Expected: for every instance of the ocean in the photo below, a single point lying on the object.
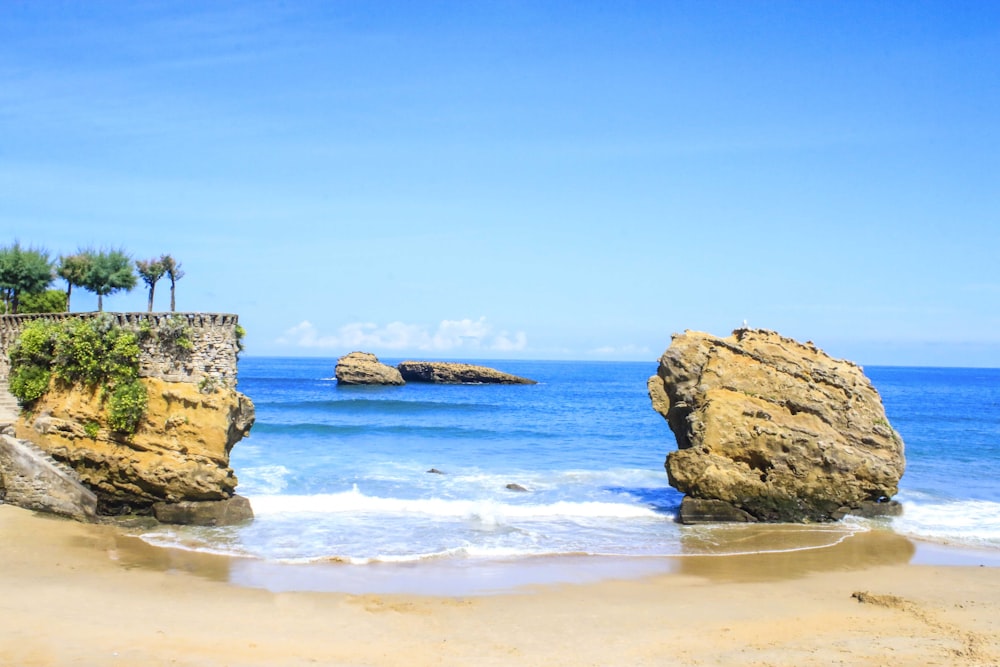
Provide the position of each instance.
(341, 474)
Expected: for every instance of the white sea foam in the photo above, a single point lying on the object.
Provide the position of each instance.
(485, 510)
(963, 522)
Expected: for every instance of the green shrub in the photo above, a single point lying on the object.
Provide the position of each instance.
(122, 358)
(126, 406)
(36, 345)
(30, 360)
(49, 301)
(28, 383)
(91, 352)
(175, 332)
(240, 335)
(92, 428)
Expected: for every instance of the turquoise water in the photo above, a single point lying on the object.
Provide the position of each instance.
(340, 473)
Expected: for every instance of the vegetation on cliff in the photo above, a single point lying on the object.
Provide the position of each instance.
(92, 352)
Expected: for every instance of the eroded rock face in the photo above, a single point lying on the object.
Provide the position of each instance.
(775, 428)
(365, 368)
(444, 372)
(180, 451)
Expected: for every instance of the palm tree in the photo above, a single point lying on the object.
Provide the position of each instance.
(151, 270)
(173, 269)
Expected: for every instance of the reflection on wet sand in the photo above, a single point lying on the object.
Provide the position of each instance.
(724, 553)
(788, 552)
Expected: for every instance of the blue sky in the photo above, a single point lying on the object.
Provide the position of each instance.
(545, 180)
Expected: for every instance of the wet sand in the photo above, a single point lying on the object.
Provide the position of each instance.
(87, 595)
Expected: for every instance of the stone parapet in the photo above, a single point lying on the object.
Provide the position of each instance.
(210, 356)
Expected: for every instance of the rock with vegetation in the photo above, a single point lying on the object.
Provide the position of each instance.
(364, 368)
(770, 429)
(134, 440)
(443, 372)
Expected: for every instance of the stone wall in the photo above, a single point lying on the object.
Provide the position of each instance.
(30, 478)
(211, 357)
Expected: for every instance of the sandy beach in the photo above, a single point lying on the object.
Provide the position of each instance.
(77, 594)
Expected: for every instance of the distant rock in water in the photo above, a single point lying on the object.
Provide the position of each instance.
(443, 372)
(435, 471)
(516, 487)
(769, 429)
(365, 368)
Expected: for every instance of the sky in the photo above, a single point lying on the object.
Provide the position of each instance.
(536, 180)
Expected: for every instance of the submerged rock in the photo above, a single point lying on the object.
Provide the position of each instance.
(774, 428)
(444, 372)
(364, 368)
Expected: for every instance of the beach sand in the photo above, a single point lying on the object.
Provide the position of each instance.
(74, 594)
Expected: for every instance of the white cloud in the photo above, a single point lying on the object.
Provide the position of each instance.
(464, 334)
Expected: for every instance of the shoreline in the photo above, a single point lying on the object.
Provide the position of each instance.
(83, 594)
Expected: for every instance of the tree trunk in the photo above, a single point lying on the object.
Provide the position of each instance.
(100, 303)
(173, 306)
(69, 290)
(152, 288)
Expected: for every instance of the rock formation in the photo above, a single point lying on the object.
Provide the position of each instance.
(180, 451)
(443, 372)
(365, 368)
(138, 408)
(769, 429)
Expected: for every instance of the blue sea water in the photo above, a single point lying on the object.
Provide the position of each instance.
(341, 473)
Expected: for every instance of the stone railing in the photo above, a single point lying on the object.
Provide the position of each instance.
(210, 356)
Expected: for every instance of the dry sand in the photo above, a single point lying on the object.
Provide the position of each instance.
(86, 595)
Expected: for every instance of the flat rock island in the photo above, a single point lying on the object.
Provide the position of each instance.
(446, 372)
(770, 429)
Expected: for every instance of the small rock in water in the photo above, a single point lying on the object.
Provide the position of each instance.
(435, 471)
(515, 487)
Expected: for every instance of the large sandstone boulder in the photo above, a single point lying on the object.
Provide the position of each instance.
(444, 372)
(180, 452)
(775, 429)
(365, 368)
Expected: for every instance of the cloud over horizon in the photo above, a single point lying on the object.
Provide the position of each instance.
(466, 334)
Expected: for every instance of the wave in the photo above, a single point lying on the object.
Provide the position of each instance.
(407, 429)
(367, 406)
(964, 522)
(264, 479)
(486, 511)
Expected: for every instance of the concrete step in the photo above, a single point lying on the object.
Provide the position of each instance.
(9, 407)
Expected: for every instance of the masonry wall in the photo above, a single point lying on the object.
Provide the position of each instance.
(212, 357)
